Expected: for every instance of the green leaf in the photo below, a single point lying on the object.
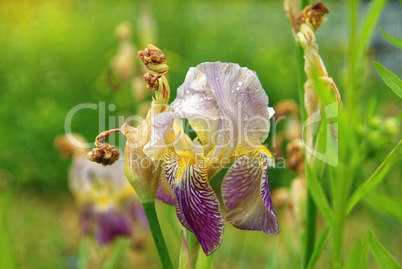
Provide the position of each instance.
(203, 261)
(397, 41)
(388, 205)
(376, 178)
(120, 245)
(319, 248)
(357, 258)
(373, 14)
(321, 201)
(184, 257)
(392, 81)
(383, 258)
(83, 252)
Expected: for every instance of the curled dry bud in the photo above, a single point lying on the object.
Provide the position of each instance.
(312, 15)
(104, 153)
(152, 80)
(154, 59)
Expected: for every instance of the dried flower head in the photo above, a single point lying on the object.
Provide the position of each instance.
(104, 153)
(154, 59)
(143, 174)
(313, 15)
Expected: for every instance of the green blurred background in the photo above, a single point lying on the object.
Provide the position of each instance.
(55, 55)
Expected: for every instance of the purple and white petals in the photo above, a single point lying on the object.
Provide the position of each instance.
(197, 207)
(240, 98)
(246, 195)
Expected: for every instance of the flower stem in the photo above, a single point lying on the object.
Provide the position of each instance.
(150, 212)
(117, 252)
(83, 253)
(311, 217)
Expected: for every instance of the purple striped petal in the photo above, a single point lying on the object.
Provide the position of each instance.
(246, 195)
(165, 192)
(198, 208)
(110, 225)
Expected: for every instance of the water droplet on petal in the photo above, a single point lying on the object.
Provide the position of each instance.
(237, 88)
(240, 83)
(187, 91)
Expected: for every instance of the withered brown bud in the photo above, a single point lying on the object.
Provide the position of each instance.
(152, 80)
(105, 155)
(286, 107)
(295, 160)
(313, 15)
(154, 59)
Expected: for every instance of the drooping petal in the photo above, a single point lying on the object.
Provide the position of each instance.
(246, 195)
(110, 225)
(198, 209)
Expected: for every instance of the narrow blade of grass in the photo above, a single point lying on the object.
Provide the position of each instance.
(388, 205)
(376, 178)
(318, 195)
(381, 255)
(373, 14)
(397, 41)
(83, 253)
(357, 258)
(184, 257)
(322, 243)
(392, 81)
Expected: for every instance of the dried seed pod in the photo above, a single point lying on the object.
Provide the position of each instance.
(154, 59)
(106, 155)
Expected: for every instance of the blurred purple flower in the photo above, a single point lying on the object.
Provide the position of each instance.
(108, 204)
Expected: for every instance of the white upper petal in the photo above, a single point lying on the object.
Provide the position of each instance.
(226, 106)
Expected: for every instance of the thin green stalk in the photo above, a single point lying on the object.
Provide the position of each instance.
(340, 202)
(311, 217)
(203, 261)
(352, 57)
(83, 252)
(191, 240)
(150, 212)
(321, 244)
(118, 248)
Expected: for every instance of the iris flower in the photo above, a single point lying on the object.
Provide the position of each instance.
(227, 107)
